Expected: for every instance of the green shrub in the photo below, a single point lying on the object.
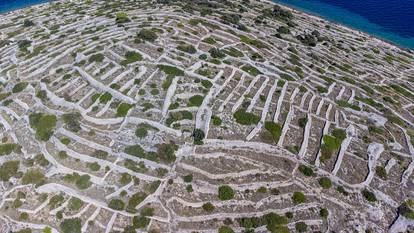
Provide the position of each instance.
(99, 57)
(274, 129)
(171, 70)
(94, 166)
(43, 124)
(198, 136)
(56, 201)
(122, 17)
(147, 35)
(305, 170)
(324, 213)
(298, 197)
(116, 204)
(75, 204)
(208, 207)
(325, 182)
(251, 70)
(9, 169)
(196, 100)
(131, 57)
(188, 178)
(71, 225)
(135, 200)
(83, 182)
(33, 176)
(225, 229)
(381, 172)
(187, 48)
(8, 148)
(245, 118)
(123, 109)
(209, 40)
(19, 87)
(369, 196)
(406, 209)
(216, 120)
(262, 190)
(302, 122)
(301, 227)
(166, 152)
(225, 192)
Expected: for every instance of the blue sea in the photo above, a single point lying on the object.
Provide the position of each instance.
(391, 20)
(9, 5)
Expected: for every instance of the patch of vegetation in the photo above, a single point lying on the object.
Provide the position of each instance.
(302, 122)
(274, 129)
(9, 169)
(381, 172)
(196, 100)
(34, 176)
(225, 193)
(81, 181)
(123, 109)
(305, 170)
(75, 204)
(345, 104)
(116, 204)
(71, 225)
(147, 35)
(171, 70)
(131, 57)
(178, 116)
(209, 40)
(251, 70)
(122, 17)
(8, 148)
(331, 144)
(99, 57)
(208, 207)
(245, 118)
(72, 121)
(368, 195)
(19, 87)
(256, 43)
(225, 229)
(198, 136)
(216, 120)
(406, 209)
(43, 124)
(298, 197)
(325, 182)
(187, 48)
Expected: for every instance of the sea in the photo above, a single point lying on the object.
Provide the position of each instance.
(390, 20)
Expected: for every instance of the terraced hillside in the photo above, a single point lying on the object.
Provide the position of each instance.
(201, 116)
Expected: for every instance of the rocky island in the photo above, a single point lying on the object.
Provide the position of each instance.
(201, 116)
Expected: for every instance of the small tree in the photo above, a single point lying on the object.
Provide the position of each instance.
(198, 136)
(298, 197)
(225, 193)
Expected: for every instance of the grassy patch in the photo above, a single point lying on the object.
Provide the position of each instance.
(131, 57)
(43, 124)
(274, 129)
(245, 118)
(171, 70)
(196, 100)
(123, 109)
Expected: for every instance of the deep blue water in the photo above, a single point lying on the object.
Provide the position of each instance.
(392, 20)
(9, 5)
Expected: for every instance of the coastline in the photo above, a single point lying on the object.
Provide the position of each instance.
(315, 16)
(312, 15)
(20, 8)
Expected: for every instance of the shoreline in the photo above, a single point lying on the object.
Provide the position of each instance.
(312, 15)
(315, 16)
(16, 10)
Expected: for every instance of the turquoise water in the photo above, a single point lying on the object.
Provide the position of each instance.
(391, 20)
